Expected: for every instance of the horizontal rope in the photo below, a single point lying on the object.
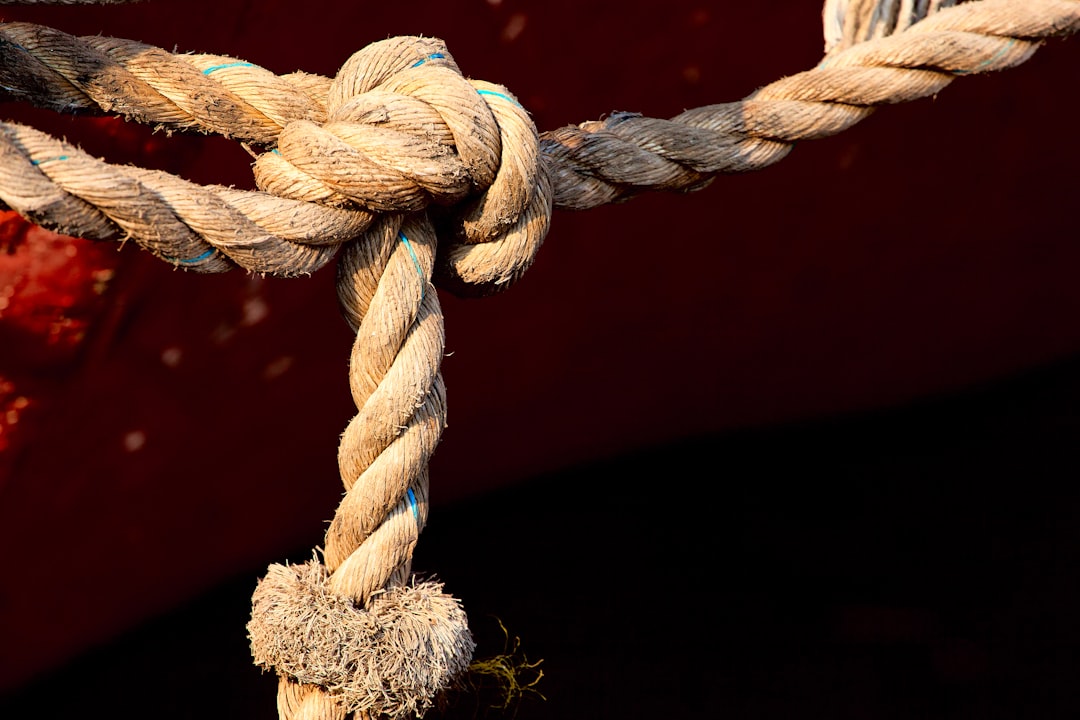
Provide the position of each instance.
(590, 164)
(581, 166)
(205, 228)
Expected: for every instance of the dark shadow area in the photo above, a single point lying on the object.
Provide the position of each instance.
(909, 564)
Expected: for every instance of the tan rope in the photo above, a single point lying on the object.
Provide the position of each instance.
(394, 373)
(590, 164)
(609, 160)
(147, 84)
(207, 228)
(397, 149)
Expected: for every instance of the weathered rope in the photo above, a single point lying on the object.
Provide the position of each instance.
(206, 228)
(396, 381)
(604, 161)
(850, 22)
(317, 637)
(399, 128)
(397, 149)
(589, 165)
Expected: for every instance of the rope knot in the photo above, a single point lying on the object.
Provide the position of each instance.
(403, 129)
(406, 131)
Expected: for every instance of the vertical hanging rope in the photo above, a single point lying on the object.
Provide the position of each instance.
(337, 664)
(422, 106)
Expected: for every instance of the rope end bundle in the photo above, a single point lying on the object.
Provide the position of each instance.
(392, 658)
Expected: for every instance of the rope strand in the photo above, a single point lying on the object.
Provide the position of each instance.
(590, 164)
(395, 151)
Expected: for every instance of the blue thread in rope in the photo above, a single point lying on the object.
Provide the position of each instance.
(416, 261)
(990, 60)
(505, 97)
(412, 504)
(215, 68)
(190, 261)
(55, 158)
(432, 56)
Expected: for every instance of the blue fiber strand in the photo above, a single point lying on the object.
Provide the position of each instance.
(215, 68)
(205, 255)
(990, 60)
(432, 56)
(412, 504)
(416, 261)
(56, 158)
(507, 98)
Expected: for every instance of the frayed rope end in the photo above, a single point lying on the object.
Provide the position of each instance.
(392, 659)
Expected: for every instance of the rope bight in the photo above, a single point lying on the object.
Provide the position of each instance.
(416, 177)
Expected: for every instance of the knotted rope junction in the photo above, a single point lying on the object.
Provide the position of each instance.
(416, 177)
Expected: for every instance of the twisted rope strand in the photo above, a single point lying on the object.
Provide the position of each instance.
(174, 91)
(395, 376)
(204, 228)
(590, 164)
(397, 144)
(609, 160)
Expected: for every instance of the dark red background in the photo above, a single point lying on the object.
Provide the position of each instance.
(178, 430)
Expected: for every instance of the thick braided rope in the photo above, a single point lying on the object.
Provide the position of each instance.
(384, 451)
(601, 162)
(385, 290)
(590, 164)
(175, 91)
(411, 132)
(396, 382)
(205, 228)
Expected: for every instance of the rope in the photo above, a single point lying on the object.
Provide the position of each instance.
(375, 164)
(591, 164)
(850, 22)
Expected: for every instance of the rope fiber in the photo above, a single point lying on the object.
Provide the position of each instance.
(414, 177)
(348, 149)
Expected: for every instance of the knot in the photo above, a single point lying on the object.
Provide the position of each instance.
(391, 658)
(405, 131)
